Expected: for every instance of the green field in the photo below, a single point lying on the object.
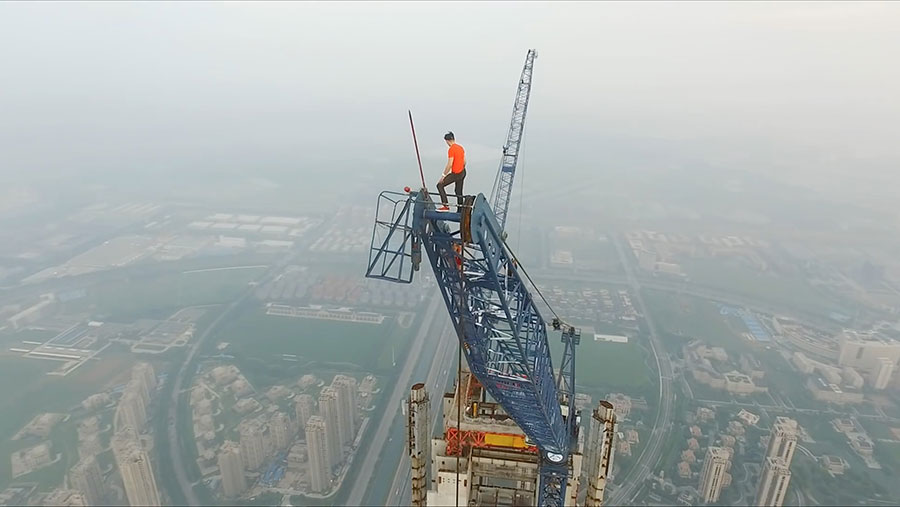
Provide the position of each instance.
(255, 335)
(607, 365)
(597, 254)
(781, 377)
(704, 392)
(693, 317)
(29, 373)
(868, 409)
(778, 290)
(827, 440)
(877, 430)
(892, 410)
(162, 295)
(889, 454)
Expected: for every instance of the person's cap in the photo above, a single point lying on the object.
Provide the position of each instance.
(449, 136)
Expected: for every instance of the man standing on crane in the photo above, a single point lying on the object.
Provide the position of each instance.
(454, 172)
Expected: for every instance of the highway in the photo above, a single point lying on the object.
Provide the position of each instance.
(401, 388)
(440, 370)
(630, 484)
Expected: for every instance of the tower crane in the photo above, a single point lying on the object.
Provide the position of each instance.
(500, 330)
(504, 182)
(502, 333)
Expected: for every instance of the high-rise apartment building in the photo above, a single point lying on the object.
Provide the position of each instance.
(775, 475)
(253, 446)
(881, 376)
(319, 456)
(232, 469)
(347, 388)
(783, 440)
(145, 378)
(714, 475)
(600, 452)
(85, 476)
(131, 410)
(870, 352)
(861, 349)
(280, 428)
(329, 407)
(773, 483)
(135, 469)
(305, 406)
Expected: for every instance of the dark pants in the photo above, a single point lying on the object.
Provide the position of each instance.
(458, 189)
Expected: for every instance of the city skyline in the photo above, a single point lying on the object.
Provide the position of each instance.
(227, 276)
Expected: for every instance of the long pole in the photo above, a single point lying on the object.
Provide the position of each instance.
(418, 158)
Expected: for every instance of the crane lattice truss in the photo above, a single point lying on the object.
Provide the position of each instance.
(504, 182)
(500, 329)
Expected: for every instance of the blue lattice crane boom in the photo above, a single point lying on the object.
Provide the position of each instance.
(502, 333)
(503, 183)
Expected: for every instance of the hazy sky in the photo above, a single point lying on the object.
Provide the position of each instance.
(244, 86)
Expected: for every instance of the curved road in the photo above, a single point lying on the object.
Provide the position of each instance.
(175, 450)
(649, 457)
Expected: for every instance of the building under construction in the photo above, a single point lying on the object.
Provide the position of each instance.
(483, 458)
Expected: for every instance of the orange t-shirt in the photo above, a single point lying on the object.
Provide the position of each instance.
(458, 154)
